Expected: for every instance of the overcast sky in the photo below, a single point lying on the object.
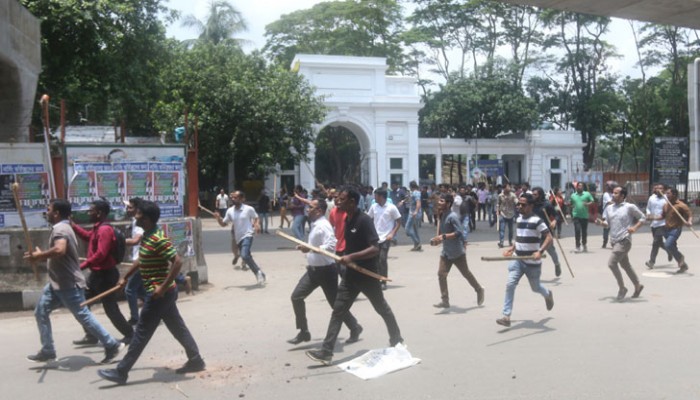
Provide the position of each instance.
(259, 13)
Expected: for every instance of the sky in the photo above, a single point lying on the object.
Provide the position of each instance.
(259, 13)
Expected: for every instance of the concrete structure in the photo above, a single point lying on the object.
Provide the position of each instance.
(20, 64)
(685, 13)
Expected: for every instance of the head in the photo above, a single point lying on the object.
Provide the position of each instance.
(147, 214)
(659, 189)
(58, 210)
(237, 198)
(445, 202)
(579, 187)
(538, 194)
(672, 194)
(413, 185)
(525, 204)
(619, 194)
(506, 188)
(380, 196)
(99, 210)
(348, 199)
(131, 206)
(222, 192)
(317, 209)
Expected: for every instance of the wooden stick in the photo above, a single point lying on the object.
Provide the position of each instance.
(504, 258)
(121, 263)
(563, 253)
(333, 256)
(27, 238)
(100, 296)
(681, 217)
(208, 211)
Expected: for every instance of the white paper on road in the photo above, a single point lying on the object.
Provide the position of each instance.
(378, 362)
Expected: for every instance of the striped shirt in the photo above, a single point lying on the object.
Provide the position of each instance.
(155, 255)
(528, 232)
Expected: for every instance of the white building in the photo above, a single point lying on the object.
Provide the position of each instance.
(382, 112)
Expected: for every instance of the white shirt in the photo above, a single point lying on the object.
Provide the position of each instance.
(457, 203)
(135, 231)
(323, 237)
(655, 207)
(242, 221)
(384, 219)
(222, 201)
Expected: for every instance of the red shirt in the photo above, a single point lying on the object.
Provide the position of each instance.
(337, 220)
(101, 241)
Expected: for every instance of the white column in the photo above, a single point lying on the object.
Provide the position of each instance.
(438, 167)
(413, 171)
(306, 169)
(380, 174)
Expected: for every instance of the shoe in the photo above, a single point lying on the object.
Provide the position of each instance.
(127, 339)
(322, 356)
(480, 296)
(302, 336)
(244, 267)
(510, 243)
(585, 249)
(622, 293)
(500, 245)
(549, 301)
(354, 335)
(41, 357)
(603, 246)
(235, 260)
(637, 291)
(505, 321)
(261, 278)
(670, 257)
(112, 375)
(683, 268)
(578, 250)
(557, 269)
(86, 340)
(111, 354)
(194, 364)
(649, 264)
(442, 304)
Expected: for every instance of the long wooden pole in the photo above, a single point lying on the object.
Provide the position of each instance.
(100, 296)
(27, 238)
(560, 247)
(208, 211)
(681, 217)
(333, 256)
(504, 258)
(558, 207)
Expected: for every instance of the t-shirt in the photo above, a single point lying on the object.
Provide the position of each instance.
(222, 201)
(359, 235)
(135, 231)
(337, 219)
(620, 217)
(155, 255)
(655, 207)
(241, 221)
(452, 248)
(578, 209)
(64, 271)
(384, 219)
(264, 204)
(413, 202)
(528, 232)
(506, 204)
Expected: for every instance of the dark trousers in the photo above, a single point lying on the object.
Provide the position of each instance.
(99, 282)
(444, 269)
(581, 231)
(383, 268)
(153, 311)
(348, 290)
(658, 243)
(325, 277)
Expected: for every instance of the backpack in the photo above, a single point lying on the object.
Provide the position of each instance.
(119, 250)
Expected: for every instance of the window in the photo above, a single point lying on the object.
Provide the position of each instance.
(396, 163)
(554, 163)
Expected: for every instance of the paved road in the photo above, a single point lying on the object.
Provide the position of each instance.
(588, 347)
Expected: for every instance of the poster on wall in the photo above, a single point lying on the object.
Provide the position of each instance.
(33, 192)
(181, 235)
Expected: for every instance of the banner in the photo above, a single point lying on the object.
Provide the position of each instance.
(33, 193)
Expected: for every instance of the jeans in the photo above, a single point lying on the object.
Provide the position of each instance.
(620, 255)
(671, 243)
(606, 235)
(465, 227)
(383, 267)
(325, 277)
(581, 231)
(444, 269)
(101, 281)
(153, 311)
(264, 217)
(298, 226)
(658, 243)
(244, 247)
(412, 229)
(52, 299)
(552, 251)
(348, 290)
(134, 290)
(516, 270)
(503, 222)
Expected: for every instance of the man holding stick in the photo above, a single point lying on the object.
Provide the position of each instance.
(66, 286)
(676, 214)
(530, 229)
(361, 242)
(159, 264)
(451, 236)
(545, 211)
(622, 219)
(321, 271)
(655, 207)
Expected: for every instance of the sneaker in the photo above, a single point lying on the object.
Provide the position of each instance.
(354, 335)
(557, 269)
(549, 301)
(244, 267)
(41, 357)
(111, 354)
(649, 264)
(302, 336)
(322, 356)
(683, 268)
(505, 321)
(637, 291)
(500, 245)
(112, 375)
(622, 293)
(194, 364)
(261, 278)
(235, 260)
(85, 341)
(670, 257)
(480, 296)
(442, 304)
(577, 250)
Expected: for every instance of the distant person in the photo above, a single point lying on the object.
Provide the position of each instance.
(580, 200)
(674, 226)
(655, 209)
(264, 210)
(387, 221)
(222, 201)
(134, 287)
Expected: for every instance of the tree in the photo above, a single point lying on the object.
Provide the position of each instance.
(337, 156)
(222, 22)
(366, 28)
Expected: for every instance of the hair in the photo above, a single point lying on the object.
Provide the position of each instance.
(381, 193)
(102, 206)
(674, 192)
(413, 185)
(540, 192)
(623, 191)
(352, 193)
(449, 199)
(527, 196)
(63, 207)
(240, 194)
(135, 201)
(149, 210)
(322, 204)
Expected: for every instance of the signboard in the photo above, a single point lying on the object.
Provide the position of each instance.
(486, 168)
(33, 193)
(670, 161)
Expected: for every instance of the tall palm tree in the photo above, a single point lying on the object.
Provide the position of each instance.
(222, 22)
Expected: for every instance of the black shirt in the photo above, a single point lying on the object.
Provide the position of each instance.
(359, 235)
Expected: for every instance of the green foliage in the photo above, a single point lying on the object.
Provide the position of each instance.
(364, 28)
(337, 156)
(223, 21)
